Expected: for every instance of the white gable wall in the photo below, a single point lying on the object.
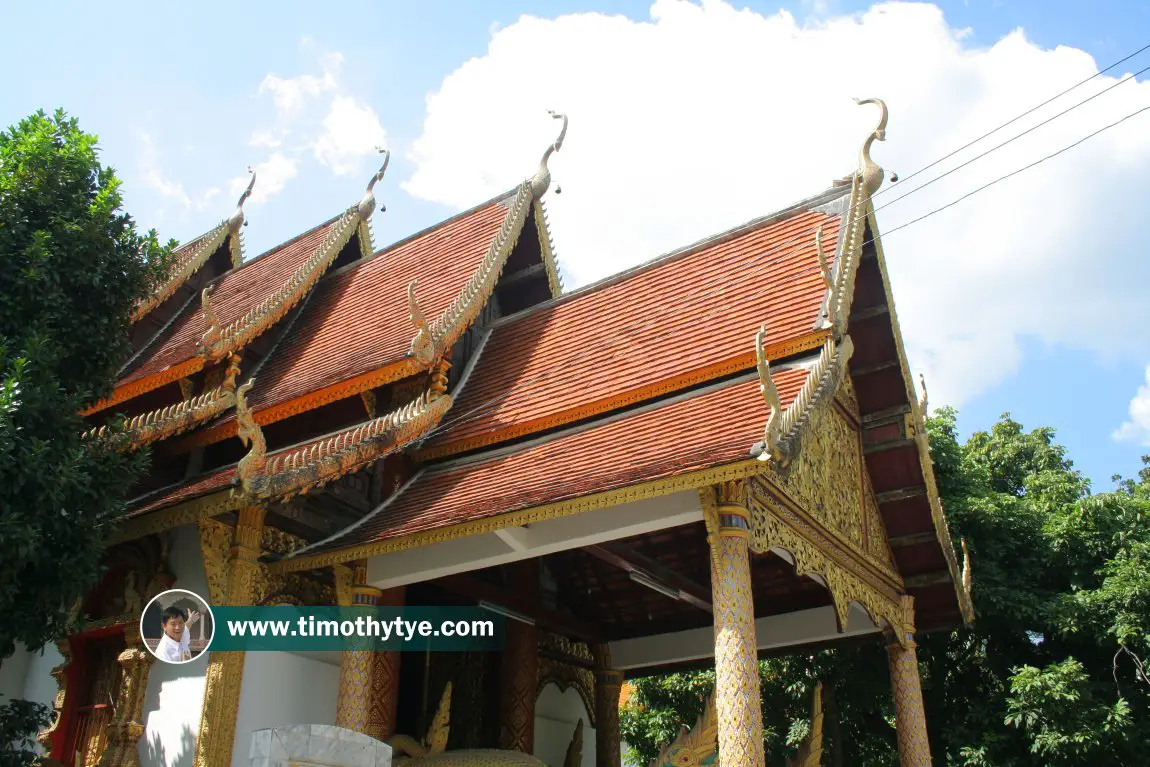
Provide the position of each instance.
(556, 714)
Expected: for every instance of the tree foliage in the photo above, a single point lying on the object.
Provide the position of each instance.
(1052, 670)
(74, 265)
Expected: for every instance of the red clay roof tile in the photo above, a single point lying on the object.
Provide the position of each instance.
(710, 429)
(357, 321)
(668, 326)
(170, 496)
(234, 294)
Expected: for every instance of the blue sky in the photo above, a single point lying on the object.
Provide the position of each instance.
(178, 97)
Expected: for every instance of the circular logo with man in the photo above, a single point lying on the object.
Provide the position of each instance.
(177, 626)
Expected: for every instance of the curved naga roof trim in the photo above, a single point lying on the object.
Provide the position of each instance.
(298, 470)
(199, 253)
(782, 435)
(169, 421)
(783, 431)
(433, 339)
(218, 341)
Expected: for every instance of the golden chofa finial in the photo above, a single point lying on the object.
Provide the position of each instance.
(542, 178)
(367, 204)
(870, 174)
(237, 219)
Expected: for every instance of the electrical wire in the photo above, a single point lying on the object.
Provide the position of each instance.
(480, 409)
(1019, 117)
(1008, 141)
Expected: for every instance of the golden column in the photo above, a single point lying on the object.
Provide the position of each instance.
(608, 685)
(520, 669)
(906, 686)
(353, 709)
(226, 669)
(125, 731)
(737, 699)
(385, 675)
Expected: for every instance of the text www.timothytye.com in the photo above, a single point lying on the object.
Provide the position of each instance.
(362, 627)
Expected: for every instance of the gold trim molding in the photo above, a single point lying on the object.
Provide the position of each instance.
(776, 527)
(650, 489)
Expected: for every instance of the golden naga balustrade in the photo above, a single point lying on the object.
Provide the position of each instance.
(298, 470)
(169, 421)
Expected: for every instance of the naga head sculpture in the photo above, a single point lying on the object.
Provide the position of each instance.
(542, 178)
(367, 204)
(237, 219)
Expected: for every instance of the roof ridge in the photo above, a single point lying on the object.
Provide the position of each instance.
(421, 232)
(281, 246)
(806, 205)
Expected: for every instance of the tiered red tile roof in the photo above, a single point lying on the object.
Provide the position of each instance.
(233, 295)
(685, 319)
(608, 346)
(357, 322)
(681, 435)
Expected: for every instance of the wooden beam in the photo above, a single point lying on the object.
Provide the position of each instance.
(890, 444)
(875, 368)
(900, 494)
(927, 579)
(868, 312)
(631, 561)
(914, 539)
(522, 274)
(470, 587)
(885, 415)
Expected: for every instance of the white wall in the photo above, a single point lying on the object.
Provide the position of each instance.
(13, 674)
(28, 675)
(175, 695)
(282, 688)
(556, 714)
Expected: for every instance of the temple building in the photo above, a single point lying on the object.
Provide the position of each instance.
(714, 455)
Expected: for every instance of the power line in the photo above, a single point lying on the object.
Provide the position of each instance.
(1020, 170)
(1008, 141)
(480, 409)
(1019, 117)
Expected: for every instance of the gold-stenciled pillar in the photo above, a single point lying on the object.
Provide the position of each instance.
(125, 731)
(520, 669)
(226, 669)
(737, 698)
(354, 707)
(608, 685)
(385, 676)
(906, 686)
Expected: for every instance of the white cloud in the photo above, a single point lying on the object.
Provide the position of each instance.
(351, 131)
(706, 116)
(267, 138)
(291, 93)
(155, 178)
(272, 176)
(1137, 429)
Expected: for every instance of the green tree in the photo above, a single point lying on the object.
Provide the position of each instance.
(1052, 672)
(73, 267)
